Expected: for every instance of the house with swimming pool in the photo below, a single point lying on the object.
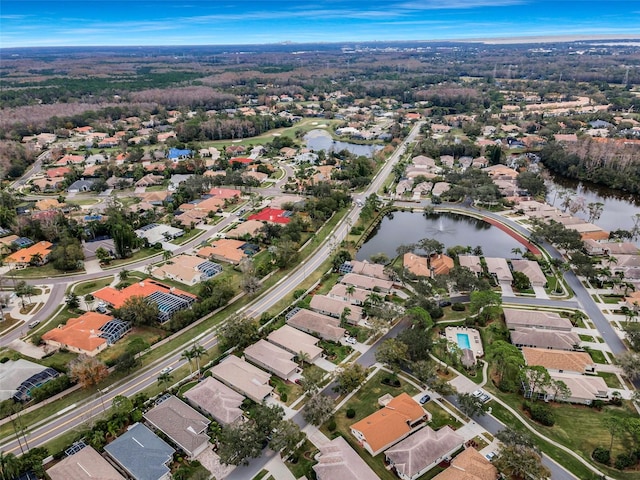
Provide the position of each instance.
(469, 342)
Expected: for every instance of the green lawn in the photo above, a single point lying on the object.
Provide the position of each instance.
(44, 271)
(149, 334)
(302, 460)
(580, 428)
(336, 352)
(612, 299)
(191, 234)
(292, 390)
(610, 379)
(440, 417)
(139, 255)
(586, 338)
(597, 355)
(90, 286)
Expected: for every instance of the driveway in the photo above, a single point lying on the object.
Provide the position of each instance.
(540, 292)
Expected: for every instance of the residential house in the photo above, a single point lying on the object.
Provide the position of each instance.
(149, 180)
(272, 215)
(469, 465)
(216, 399)
(187, 269)
(501, 172)
(250, 228)
(157, 232)
(559, 360)
(422, 451)
(584, 389)
(225, 250)
(499, 268)
(225, 193)
(336, 308)
(385, 427)
(88, 334)
(58, 172)
(439, 188)
(142, 454)
(38, 253)
(48, 184)
(532, 270)
(440, 264)
(365, 268)
(272, 358)
(80, 186)
(338, 461)
(417, 265)
(244, 378)
(19, 377)
(367, 283)
(353, 295)
(86, 464)
(169, 299)
(327, 328)
(296, 342)
(176, 154)
(48, 204)
(184, 426)
(70, 160)
(471, 262)
(545, 338)
(516, 319)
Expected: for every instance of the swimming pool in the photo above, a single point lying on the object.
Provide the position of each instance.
(463, 341)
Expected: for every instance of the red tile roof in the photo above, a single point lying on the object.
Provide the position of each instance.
(141, 289)
(273, 215)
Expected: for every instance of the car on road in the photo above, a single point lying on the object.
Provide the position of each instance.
(166, 370)
(444, 303)
(425, 398)
(34, 324)
(351, 340)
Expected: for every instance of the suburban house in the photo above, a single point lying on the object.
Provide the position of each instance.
(469, 465)
(471, 262)
(80, 186)
(417, 265)
(216, 399)
(149, 180)
(182, 424)
(155, 232)
(296, 342)
(367, 283)
(353, 295)
(86, 464)
(364, 268)
(90, 333)
(338, 461)
(244, 378)
(440, 264)
(168, 299)
(544, 338)
(327, 328)
(224, 249)
(499, 268)
(532, 270)
(584, 389)
(396, 420)
(516, 319)
(422, 451)
(19, 377)
(187, 269)
(176, 154)
(142, 454)
(559, 360)
(272, 215)
(38, 252)
(225, 193)
(335, 308)
(272, 358)
(250, 228)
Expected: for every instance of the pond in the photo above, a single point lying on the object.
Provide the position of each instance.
(322, 140)
(401, 228)
(617, 212)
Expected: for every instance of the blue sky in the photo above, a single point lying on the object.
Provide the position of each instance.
(25, 23)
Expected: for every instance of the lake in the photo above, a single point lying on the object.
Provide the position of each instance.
(322, 140)
(401, 228)
(619, 207)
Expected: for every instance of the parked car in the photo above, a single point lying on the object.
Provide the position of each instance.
(477, 393)
(484, 398)
(490, 456)
(444, 303)
(101, 309)
(425, 398)
(351, 340)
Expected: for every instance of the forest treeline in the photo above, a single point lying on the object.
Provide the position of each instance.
(607, 163)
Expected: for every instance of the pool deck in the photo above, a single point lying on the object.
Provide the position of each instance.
(474, 338)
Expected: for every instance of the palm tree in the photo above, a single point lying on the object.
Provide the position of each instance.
(36, 259)
(303, 357)
(516, 251)
(196, 352)
(164, 378)
(166, 255)
(9, 466)
(351, 289)
(344, 316)
(187, 355)
(123, 275)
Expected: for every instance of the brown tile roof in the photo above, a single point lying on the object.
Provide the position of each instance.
(416, 264)
(338, 461)
(81, 333)
(87, 464)
(469, 465)
(390, 423)
(441, 264)
(224, 249)
(557, 359)
(220, 401)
